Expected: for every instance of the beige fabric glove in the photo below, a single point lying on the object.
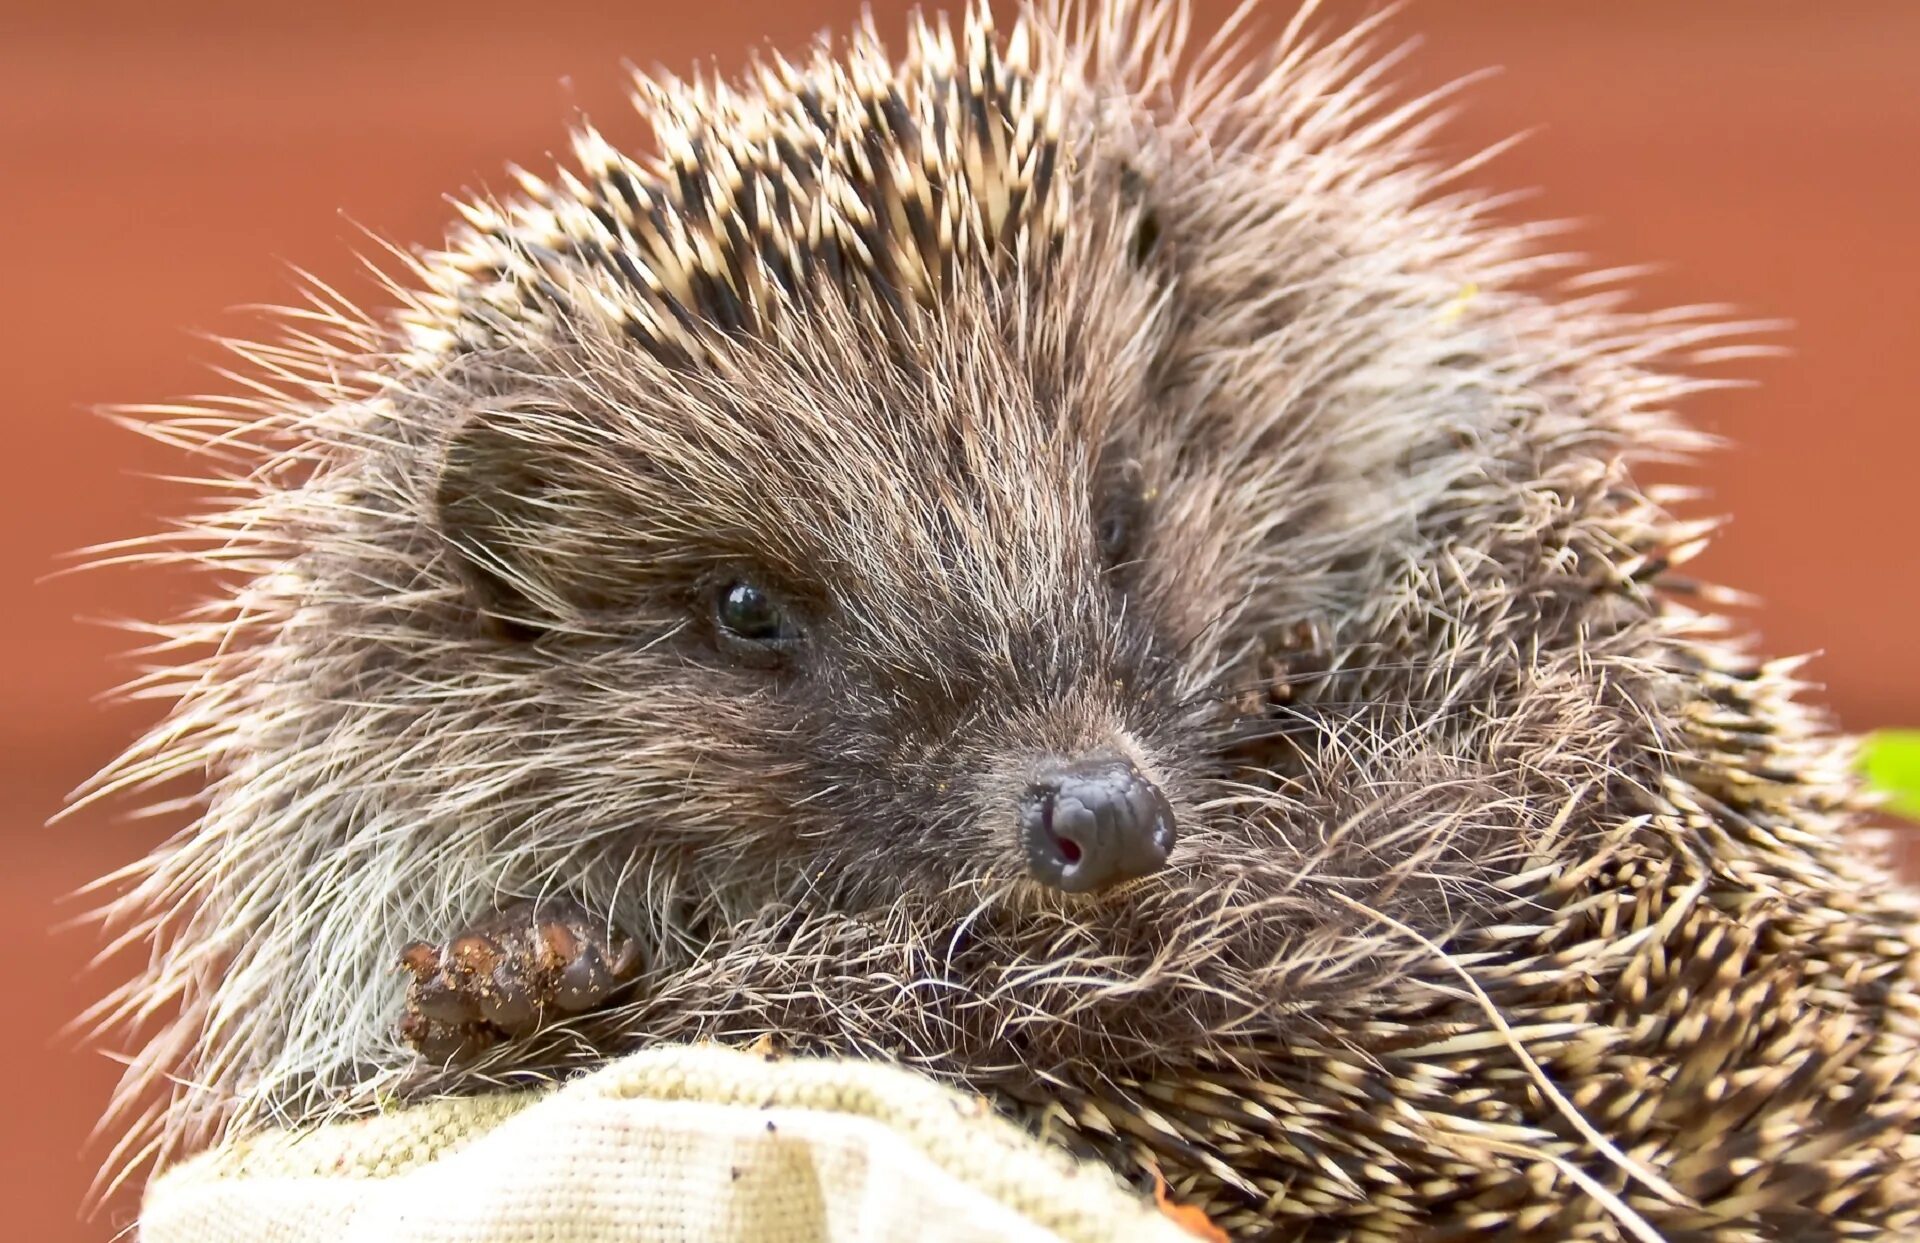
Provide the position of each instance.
(679, 1145)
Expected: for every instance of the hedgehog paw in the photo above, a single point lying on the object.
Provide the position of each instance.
(509, 974)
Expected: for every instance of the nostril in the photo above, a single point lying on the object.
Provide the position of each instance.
(1069, 849)
(1094, 822)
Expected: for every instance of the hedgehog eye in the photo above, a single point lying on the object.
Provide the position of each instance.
(1114, 533)
(751, 623)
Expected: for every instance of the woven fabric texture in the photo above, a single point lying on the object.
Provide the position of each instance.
(684, 1144)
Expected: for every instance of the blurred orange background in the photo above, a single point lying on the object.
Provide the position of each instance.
(163, 164)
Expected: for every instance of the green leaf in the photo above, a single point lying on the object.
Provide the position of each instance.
(1892, 762)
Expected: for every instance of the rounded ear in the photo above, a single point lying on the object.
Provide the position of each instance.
(1136, 195)
(509, 508)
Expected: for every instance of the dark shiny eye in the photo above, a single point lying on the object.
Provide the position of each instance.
(751, 623)
(1114, 533)
(748, 612)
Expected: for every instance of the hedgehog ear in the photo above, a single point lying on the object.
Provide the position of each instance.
(1146, 235)
(1136, 194)
(494, 505)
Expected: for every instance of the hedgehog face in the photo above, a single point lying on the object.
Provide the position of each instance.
(898, 612)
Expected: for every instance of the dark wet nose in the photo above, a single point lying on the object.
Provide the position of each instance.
(1094, 822)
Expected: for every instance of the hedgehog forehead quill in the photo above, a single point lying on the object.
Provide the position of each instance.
(1089, 567)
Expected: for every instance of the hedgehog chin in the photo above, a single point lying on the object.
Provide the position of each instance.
(1027, 895)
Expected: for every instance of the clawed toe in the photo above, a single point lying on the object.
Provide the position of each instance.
(505, 978)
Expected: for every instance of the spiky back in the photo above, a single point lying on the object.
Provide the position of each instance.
(885, 183)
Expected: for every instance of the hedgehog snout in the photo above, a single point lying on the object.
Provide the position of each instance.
(1092, 822)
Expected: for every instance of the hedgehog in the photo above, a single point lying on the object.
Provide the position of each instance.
(1090, 567)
